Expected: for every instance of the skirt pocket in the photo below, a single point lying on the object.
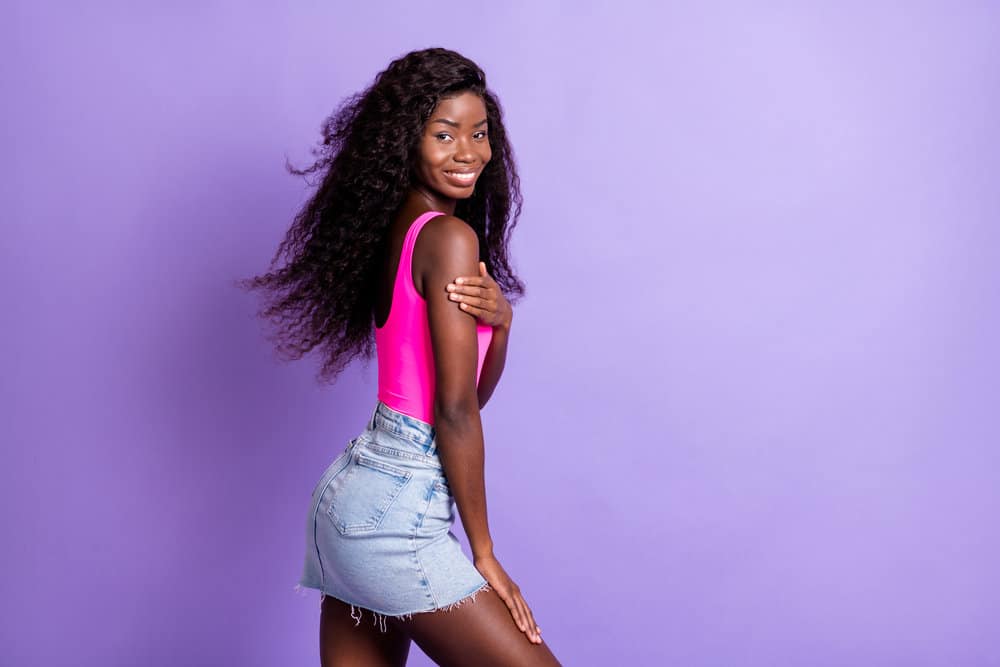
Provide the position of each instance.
(364, 492)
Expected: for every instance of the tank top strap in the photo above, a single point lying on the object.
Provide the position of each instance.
(409, 242)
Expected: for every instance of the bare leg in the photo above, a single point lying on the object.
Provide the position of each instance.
(344, 642)
(479, 632)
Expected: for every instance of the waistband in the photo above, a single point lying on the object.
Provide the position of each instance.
(404, 426)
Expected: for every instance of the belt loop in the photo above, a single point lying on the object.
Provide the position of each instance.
(432, 446)
(371, 420)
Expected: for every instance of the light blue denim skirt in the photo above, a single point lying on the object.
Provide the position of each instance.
(378, 532)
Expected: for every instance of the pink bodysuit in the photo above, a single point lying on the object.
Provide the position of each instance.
(403, 343)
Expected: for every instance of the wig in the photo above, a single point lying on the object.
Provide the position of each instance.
(324, 294)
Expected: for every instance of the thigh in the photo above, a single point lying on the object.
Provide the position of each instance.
(345, 642)
(481, 632)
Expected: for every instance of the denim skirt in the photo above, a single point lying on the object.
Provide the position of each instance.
(378, 531)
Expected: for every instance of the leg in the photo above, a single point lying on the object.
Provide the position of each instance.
(343, 642)
(479, 632)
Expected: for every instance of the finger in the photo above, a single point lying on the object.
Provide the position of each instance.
(531, 622)
(483, 292)
(477, 307)
(519, 616)
(485, 274)
(515, 611)
(475, 312)
(471, 290)
(525, 625)
(484, 278)
(468, 282)
(476, 301)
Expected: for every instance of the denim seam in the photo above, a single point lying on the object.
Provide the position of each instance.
(416, 553)
(400, 417)
(319, 556)
(315, 517)
(388, 468)
(397, 432)
(396, 429)
(389, 425)
(391, 451)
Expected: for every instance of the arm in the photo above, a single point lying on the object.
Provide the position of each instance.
(450, 248)
(481, 297)
(496, 356)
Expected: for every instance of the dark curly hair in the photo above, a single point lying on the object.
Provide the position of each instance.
(324, 295)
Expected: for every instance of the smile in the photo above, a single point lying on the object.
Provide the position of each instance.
(463, 177)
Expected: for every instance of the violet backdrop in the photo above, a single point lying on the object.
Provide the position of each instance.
(750, 409)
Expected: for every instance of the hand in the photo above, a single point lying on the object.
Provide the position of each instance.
(509, 592)
(481, 296)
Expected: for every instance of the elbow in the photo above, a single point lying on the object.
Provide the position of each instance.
(456, 413)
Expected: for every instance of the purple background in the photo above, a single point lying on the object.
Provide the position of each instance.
(750, 409)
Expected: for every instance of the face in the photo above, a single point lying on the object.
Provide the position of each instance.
(455, 146)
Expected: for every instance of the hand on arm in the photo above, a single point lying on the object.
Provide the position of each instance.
(479, 295)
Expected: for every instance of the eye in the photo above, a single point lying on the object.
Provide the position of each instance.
(442, 136)
(480, 135)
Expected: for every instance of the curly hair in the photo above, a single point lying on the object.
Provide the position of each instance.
(324, 295)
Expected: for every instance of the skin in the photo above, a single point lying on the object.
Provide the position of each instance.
(498, 627)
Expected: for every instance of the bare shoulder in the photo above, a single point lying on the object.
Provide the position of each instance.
(448, 236)
(446, 247)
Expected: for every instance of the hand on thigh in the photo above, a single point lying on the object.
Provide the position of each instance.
(479, 632)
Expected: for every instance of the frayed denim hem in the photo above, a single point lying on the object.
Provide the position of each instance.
(379, 618)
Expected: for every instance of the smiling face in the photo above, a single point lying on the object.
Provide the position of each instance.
(454, 147)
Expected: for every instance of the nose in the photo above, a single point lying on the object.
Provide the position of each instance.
(464, 151)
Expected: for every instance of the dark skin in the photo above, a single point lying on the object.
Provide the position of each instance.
(497, 628)
(481, 297)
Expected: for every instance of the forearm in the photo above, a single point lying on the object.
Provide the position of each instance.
(493, 364)
(462, 454)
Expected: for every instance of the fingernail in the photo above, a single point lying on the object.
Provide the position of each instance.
(450, 287)
(458, 280)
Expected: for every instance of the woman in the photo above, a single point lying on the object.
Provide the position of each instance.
(408, 234)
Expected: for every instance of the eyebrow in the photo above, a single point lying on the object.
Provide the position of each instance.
(454, 124)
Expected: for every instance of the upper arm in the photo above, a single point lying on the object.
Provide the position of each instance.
(448, 247)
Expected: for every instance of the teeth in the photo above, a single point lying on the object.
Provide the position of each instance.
(463, 176)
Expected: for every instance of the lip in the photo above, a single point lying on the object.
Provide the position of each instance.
(461, 182)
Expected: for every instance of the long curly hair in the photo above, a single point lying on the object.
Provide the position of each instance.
(324, 294)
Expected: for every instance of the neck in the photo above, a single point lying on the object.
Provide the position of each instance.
(421, 196)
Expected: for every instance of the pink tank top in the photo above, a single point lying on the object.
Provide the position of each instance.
(403, 343)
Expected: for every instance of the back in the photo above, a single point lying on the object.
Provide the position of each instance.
(403, 343)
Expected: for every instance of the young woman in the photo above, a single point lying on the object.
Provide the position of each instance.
(406, 242)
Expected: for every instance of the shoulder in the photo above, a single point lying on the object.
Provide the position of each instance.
(448, 235)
